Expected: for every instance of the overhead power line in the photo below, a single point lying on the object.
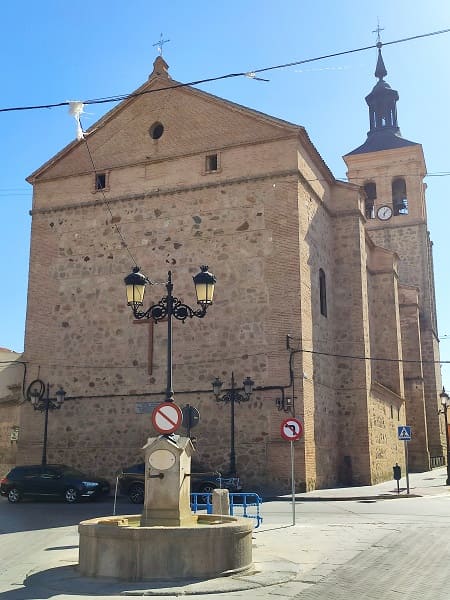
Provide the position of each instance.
(300, 350)
(248, 74)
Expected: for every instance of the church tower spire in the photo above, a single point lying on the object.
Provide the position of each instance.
(382, 101)
(380, 70)
(384, 132)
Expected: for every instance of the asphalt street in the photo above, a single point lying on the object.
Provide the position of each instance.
(349, 543)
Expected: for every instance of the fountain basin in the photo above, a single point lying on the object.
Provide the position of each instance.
(118, 547)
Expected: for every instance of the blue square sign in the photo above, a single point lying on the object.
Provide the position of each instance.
(404, 433)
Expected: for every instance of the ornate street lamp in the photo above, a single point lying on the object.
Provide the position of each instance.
(445, 401)
(233, 395)
(35, 394)
(169, 306)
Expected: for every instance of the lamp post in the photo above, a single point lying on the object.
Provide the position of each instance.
(445, 401)
(233, 395)
(35, 394)
(169, 306)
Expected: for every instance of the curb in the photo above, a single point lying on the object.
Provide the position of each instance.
(341, 498)
(65, 579)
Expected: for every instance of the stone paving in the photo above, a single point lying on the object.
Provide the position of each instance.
(397, 566)
(366, 559)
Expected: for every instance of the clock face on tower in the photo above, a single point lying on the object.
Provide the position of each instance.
(384, 213)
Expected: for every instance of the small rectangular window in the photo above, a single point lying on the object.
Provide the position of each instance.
(100, 181)
(212, 163)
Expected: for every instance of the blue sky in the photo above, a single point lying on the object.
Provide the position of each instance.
(52, 51)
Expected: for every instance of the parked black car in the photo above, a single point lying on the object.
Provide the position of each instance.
(131, 483)
(52, 481)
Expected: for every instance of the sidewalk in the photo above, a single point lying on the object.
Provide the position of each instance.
(429, 483)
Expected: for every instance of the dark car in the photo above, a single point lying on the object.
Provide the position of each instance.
(52, 481)
(131, 483)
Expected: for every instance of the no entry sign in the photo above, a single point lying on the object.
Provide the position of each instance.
(167, 417)
(291, 429)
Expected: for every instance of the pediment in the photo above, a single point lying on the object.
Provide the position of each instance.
(177, 444)
(193, 121)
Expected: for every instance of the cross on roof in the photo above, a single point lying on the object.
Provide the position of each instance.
(160, 43)
(378, 30)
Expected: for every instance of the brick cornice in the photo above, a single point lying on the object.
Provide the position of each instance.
(167, 158)
(412, 222)
(166, 192)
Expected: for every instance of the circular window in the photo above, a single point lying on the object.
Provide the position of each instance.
(156, 131)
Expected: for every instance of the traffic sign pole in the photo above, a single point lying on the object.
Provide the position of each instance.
(405, 434)
(407, 470)
(293, 482)
(292, 430)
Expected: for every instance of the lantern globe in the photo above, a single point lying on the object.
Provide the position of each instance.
(248, 385)
(217, 386)
(60, 395)
(135, 284)
(204, 286)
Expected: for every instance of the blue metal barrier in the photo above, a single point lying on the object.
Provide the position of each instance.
(197, 502)
(240, 503)
(245, 501)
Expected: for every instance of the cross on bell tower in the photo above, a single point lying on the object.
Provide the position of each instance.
(378, 30)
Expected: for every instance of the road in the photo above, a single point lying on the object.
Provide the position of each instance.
(367, 549)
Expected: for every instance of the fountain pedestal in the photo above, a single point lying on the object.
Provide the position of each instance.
(167, 482)
(167, 542)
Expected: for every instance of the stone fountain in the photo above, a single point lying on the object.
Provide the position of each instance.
(167, 541)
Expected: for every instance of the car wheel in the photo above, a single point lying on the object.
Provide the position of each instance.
(14, 495)
(205, 488)
(136, 493)
(71, 495)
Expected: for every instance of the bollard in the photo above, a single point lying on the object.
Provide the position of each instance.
(221, 502)
(397, 475)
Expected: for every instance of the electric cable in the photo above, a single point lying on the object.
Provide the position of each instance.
(231, 358)
(116, 227)
(248, 74)
(123, 97)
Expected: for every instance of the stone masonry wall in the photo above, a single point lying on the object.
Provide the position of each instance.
(245, 228)
(386, 413)
(419, 456)
(265, 222)
(352, 332)
(407, 236)
(315, 369)
(9, 419)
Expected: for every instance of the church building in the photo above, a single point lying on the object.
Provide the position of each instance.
(324, 294)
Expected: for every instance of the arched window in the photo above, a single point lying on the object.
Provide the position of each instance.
(322, 293)
(370, 189)
(399, 199)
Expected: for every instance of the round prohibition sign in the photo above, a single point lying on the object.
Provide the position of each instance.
(167, 417)
(291, 429)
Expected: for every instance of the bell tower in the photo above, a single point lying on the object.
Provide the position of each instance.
(390, 169)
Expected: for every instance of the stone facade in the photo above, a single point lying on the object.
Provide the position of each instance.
(307, 292)
(407, 236)
(12, 373)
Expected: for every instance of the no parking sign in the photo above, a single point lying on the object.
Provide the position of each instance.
(167, 417)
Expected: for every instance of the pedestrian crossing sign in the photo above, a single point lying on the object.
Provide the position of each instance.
(404, 433)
